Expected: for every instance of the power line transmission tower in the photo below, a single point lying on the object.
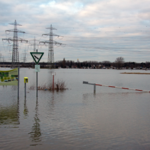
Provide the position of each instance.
(24, 57)
(34, 44)
(15, 40)
(51, 44)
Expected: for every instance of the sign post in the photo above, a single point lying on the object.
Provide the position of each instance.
(53, 81)
(37, 69)
(85, 82)
(36, 84)
(37, 57)
(25, 81)
(18, 80)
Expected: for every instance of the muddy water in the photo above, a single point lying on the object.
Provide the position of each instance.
(76, 118)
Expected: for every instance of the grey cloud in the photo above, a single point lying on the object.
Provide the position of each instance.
(81, 25)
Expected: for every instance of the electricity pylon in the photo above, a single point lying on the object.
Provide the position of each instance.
(15, 40)
(34, 43)
(24, 57)
(51, 44)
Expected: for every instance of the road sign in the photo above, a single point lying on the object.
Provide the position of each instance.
(37, 68)
(37, 56)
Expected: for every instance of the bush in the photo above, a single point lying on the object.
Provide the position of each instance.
(58, 86)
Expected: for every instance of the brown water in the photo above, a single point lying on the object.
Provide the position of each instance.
(76, 118)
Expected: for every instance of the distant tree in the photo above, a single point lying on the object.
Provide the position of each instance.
(119, 62)
(106, 63)
(64, 63)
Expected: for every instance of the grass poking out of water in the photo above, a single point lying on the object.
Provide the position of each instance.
(58, 86)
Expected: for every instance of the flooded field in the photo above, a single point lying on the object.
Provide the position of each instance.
(76, 118)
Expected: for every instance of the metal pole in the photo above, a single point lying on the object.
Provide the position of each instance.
(53, 82)
(36, 84)
(94, 88)
(18, 80)
(25, 90)
(36, 80)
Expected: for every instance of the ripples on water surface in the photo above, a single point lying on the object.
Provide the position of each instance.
(76, 118)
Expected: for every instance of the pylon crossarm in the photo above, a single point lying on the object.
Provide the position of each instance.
(45, 42)
(20, 31)
(12, 30)
(52, 28)
(15, 24)
(4, 39)
(42, 42)
(45, 34)
(15, 31)
(57, 43)
(60, 37)
(8, 39)
(22, 40)
(55, 35)
(50, 34)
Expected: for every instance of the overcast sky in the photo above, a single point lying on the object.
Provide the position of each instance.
(96, 30)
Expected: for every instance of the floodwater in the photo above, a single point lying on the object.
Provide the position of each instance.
(77, 119)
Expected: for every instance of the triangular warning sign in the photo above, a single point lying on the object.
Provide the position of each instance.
(37, 56)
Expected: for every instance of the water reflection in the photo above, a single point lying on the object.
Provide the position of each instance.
(25, 108)
(54, 98)
(4, 86)
(50, 76)
(14, 88)
(77, 119)
(9, 114)
(35, 134)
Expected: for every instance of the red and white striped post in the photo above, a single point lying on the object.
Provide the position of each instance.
(124, 88)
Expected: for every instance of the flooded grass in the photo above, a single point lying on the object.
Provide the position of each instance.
(58, 86)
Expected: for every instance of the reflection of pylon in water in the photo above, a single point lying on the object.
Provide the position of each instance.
(51, 44)
(35, 134)
(15, 40)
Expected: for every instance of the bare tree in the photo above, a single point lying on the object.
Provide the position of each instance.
(119, 62)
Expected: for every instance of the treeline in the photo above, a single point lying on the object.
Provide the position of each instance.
(102, 65)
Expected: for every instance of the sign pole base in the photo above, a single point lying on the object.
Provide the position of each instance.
(36, 84)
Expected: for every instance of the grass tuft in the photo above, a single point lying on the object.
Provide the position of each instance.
(58, 86)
